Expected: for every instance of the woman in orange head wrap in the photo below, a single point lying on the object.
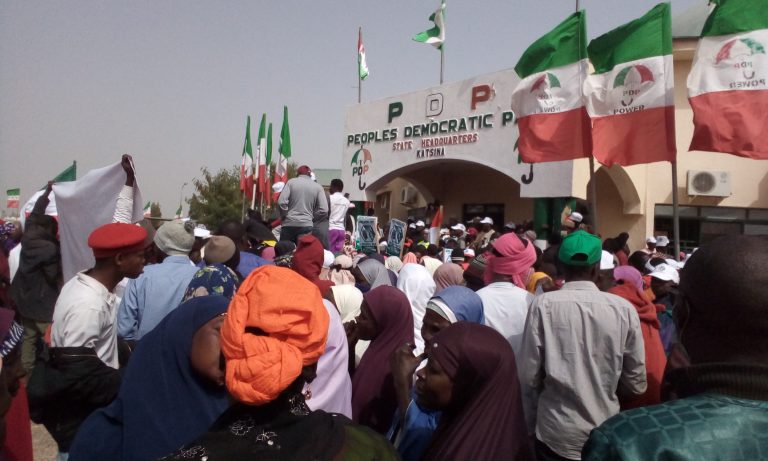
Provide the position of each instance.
(274, 333)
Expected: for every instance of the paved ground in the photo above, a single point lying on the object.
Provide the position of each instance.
(44, 446)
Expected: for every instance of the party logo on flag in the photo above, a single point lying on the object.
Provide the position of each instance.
(739, 48)
(360, 164)
(738, 54)
(543, 88)
(631, 81)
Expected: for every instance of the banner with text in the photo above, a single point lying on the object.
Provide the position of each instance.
(471, 121)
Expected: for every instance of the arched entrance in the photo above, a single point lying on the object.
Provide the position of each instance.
(619, 208)
(465, 188)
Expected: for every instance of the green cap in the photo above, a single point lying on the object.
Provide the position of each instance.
(580, 248)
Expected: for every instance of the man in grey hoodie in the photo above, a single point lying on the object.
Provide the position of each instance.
(302, 203)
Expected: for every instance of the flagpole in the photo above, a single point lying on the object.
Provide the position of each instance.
(442, 62)
(242, 209)
(675, 212)
(359, 78)
(592, 179)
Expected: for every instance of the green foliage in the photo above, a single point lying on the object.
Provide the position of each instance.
(217, 197)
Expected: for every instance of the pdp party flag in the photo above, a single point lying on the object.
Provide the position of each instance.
(629, 97)
(148, 210)
(267, 187)
(362, 66)
(246, 168)
(728, 83)
(284, 149)
(13, 198)
(178, 213)
(436, 35)
(261, 146)
(548, 101)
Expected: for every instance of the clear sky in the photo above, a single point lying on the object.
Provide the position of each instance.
(171, 82)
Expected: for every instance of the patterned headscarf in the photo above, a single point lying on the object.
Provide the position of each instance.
(10, 332)
(216, 279)
(7, 229)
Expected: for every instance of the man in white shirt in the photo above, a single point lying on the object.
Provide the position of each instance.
(505, 300)
(581, 347)
(85, 312)
(338, 214)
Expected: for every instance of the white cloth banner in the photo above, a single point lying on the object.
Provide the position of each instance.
(84, 205)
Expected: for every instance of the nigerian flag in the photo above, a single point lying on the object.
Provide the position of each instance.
(436, 35)
(728, 83)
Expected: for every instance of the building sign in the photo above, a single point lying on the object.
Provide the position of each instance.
(468, 121)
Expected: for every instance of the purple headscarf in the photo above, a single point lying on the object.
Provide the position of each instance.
(373, 391)
(485, 417)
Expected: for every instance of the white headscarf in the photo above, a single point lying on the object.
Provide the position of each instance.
(431, 264)
(393, 263)
(418, 285)
(348, 301)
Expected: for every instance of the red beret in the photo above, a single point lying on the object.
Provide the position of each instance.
(303, 169)
(111, 239)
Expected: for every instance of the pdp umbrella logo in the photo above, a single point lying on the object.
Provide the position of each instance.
(542, 88)
(632, 80)
(360, 163)
(736, 53)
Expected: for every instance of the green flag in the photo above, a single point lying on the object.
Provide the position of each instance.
(69, 174)
(285, 136)
(436, 35)
(178, 213)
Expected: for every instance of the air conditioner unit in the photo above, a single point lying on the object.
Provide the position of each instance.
(709, 183)
(407, 195)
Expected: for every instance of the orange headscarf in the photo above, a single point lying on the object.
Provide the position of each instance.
(259, 367)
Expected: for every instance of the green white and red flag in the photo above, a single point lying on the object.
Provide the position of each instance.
(548, 101)
(362, 66)
(630, 96)
(148, 209)
(284, 149)
(13, 198)
(268, 172)
(728, 83)
(261, 147)
(246, 168)
(435, 226)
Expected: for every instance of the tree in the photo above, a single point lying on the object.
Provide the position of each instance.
(217, 197)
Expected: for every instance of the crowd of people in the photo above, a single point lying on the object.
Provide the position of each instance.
(282, 339)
